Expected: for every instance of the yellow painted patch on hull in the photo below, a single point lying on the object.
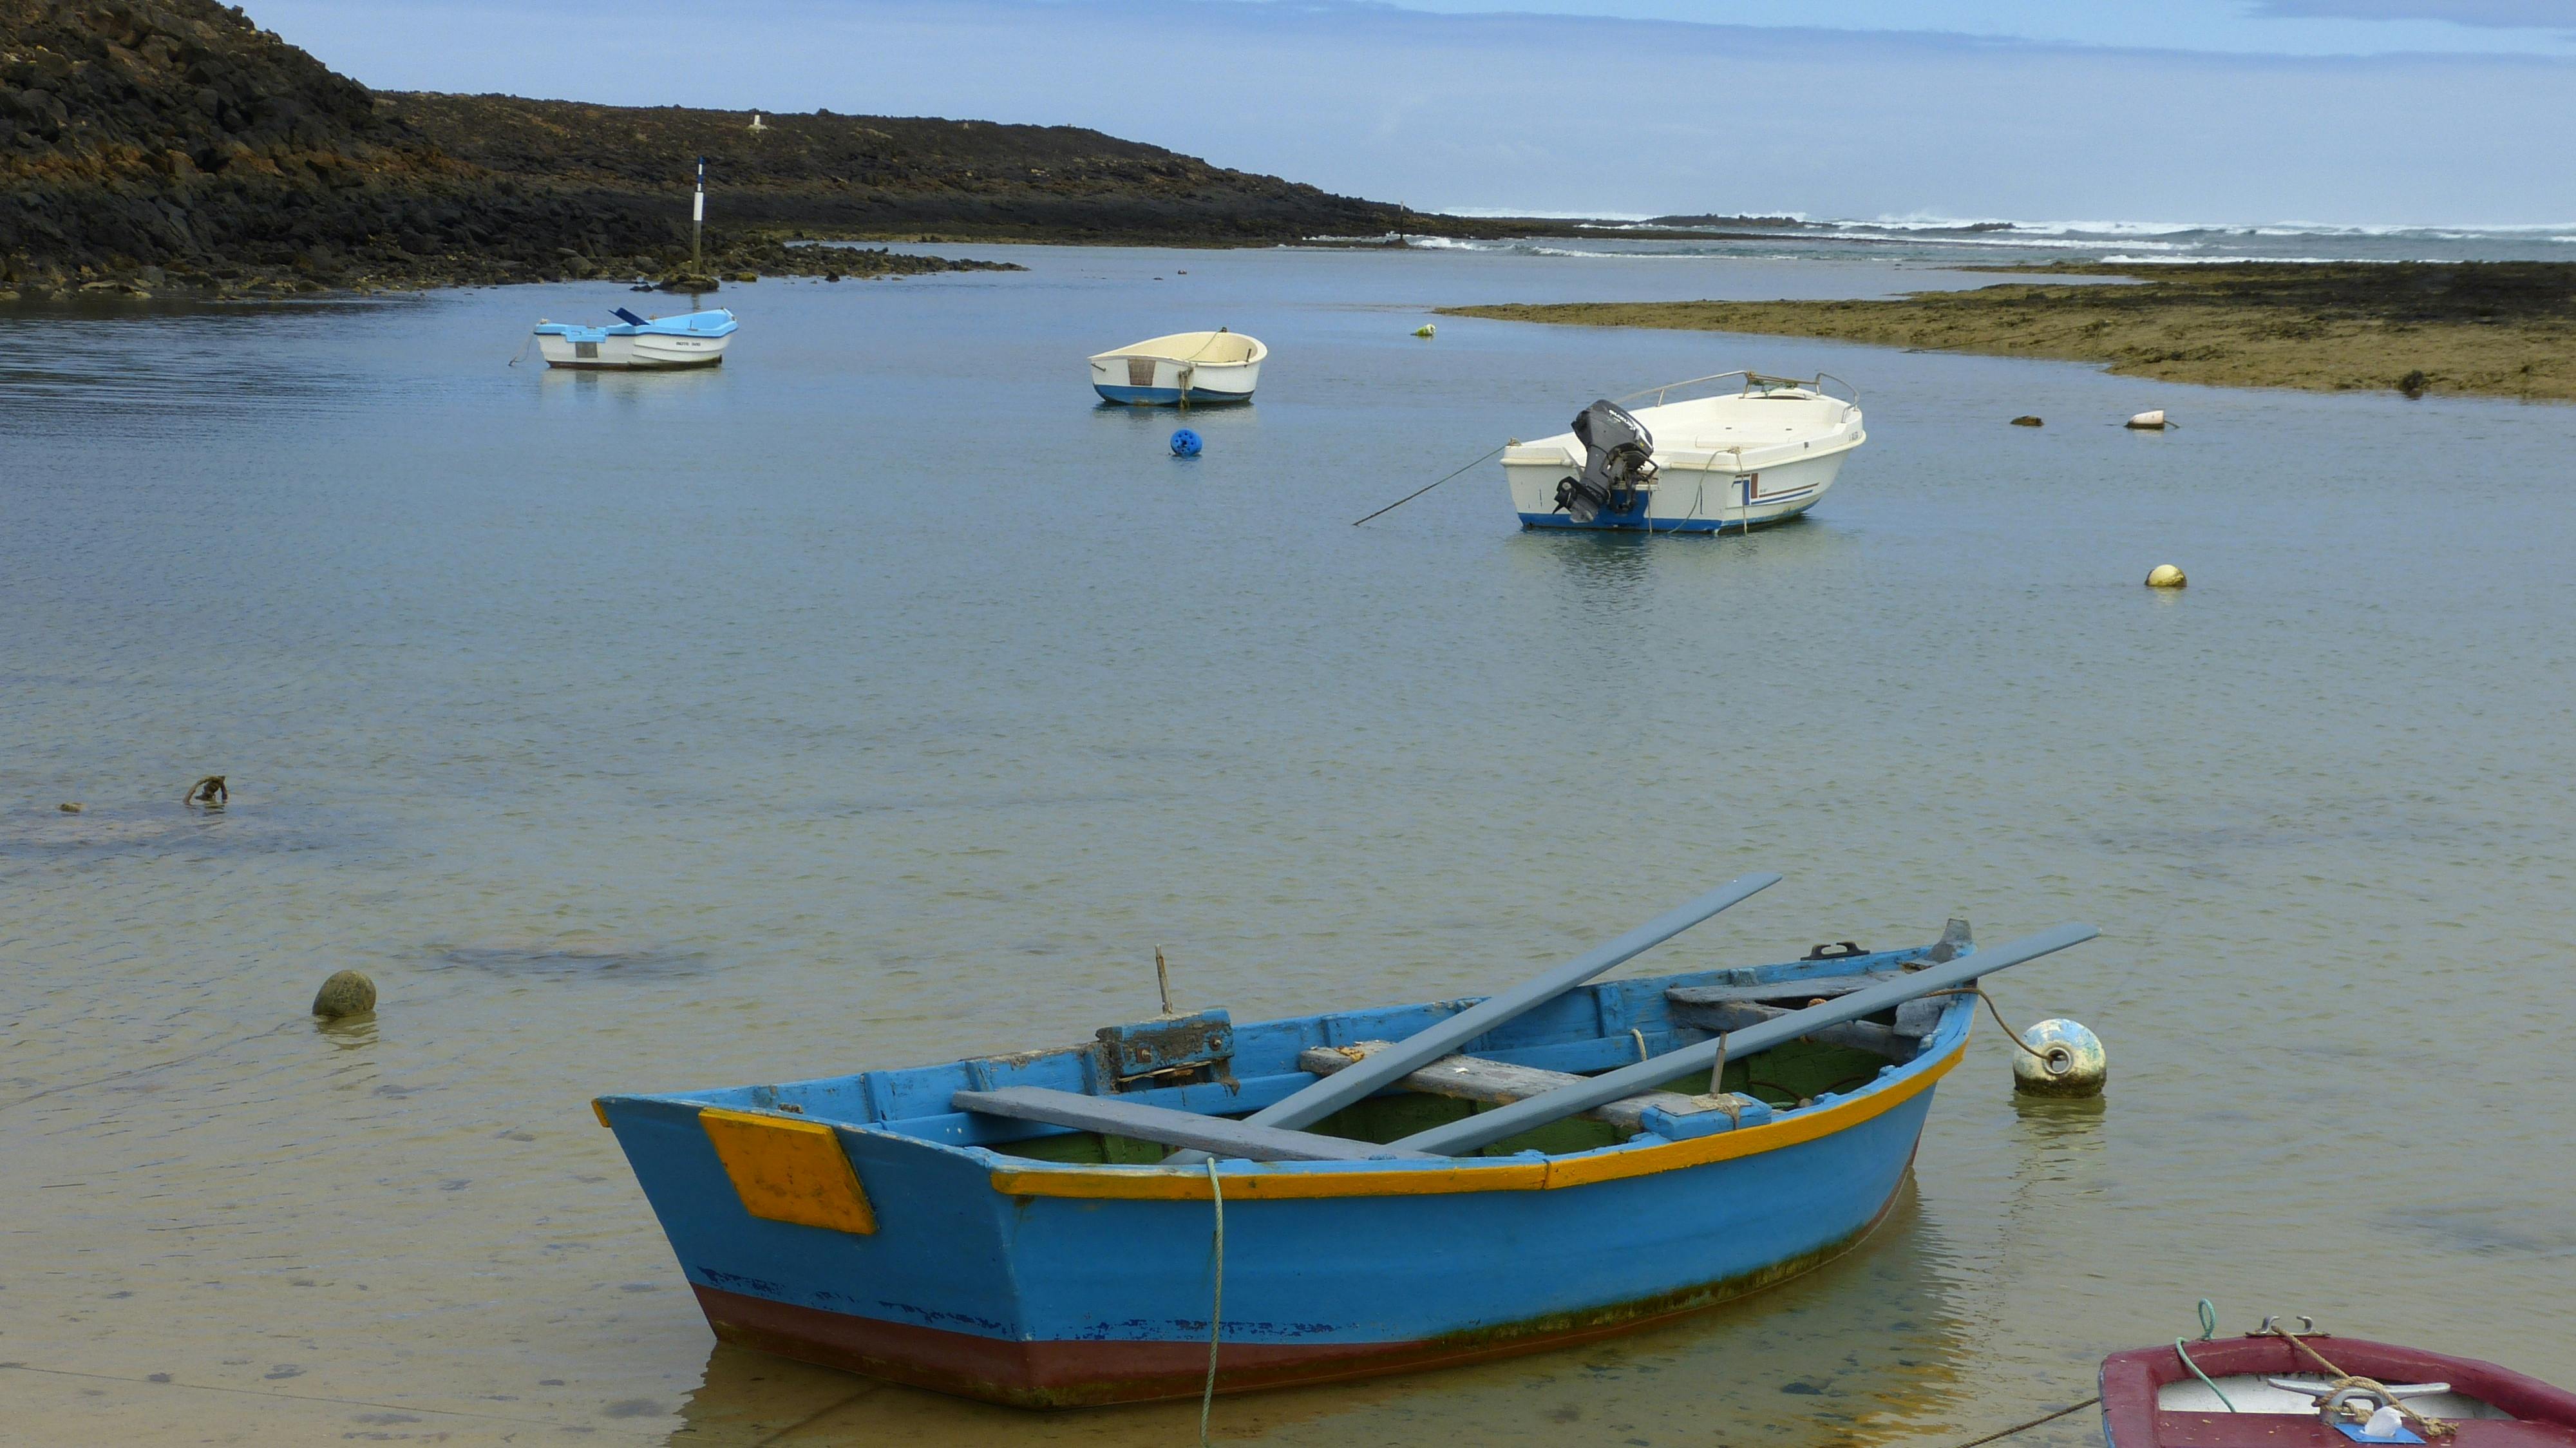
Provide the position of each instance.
(789, 1171)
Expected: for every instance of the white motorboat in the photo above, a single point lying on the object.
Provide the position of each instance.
(1761, 452)
(695, 339)
(1185, 367)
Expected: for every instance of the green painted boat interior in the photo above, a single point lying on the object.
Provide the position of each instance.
(1782, 1078)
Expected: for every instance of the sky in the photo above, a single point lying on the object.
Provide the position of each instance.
(2353, 112)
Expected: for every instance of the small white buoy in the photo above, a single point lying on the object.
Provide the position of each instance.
(2149, 421)
(2070, 1061)
(1425, 330)
(2165, 575)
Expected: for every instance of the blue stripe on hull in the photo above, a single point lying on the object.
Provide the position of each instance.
(1164, 396)
(1631, 523)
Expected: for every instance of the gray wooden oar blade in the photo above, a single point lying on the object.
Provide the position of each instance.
(1520, 1116)
(1314, 1103)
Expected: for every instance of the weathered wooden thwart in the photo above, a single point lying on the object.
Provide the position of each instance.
(1397, 1182)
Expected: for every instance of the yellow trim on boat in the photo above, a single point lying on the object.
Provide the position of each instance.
(1153, 1183)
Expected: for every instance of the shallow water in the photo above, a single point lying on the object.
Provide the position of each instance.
(877, 700)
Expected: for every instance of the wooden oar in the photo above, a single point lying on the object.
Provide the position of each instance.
(1313, 1103)
(1484, 1129)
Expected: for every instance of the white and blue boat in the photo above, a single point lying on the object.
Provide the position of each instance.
(1753, 450)
(694, 339)
(1183, 368)
(1381, 1189)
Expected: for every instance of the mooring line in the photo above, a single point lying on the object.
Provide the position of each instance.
(298, 1397)
(140, 1070)
(1418, 492)
(1216, 1309)
(2033, 1423)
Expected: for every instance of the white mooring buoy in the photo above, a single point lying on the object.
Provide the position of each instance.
(2148, 421)
(2070, 1061)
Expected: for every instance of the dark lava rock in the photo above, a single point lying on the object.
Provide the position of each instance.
(176, 135)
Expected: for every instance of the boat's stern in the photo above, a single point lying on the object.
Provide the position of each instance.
(836, 1244)
(563, 344)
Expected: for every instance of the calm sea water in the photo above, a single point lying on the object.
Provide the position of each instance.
(878, 699)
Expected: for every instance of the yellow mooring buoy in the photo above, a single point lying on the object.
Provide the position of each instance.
(2165, 575)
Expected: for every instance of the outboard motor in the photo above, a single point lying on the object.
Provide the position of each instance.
(1618, 459)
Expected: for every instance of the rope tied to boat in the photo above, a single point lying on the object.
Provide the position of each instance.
(2056, 1060)
(2208, 1330)
(1418, 492)
(2429, 1427)
(1216, 1307)
(2033, 1423)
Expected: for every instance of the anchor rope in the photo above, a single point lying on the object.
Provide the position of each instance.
(2033, 1423)
(1216, 1308)
(1418, 492)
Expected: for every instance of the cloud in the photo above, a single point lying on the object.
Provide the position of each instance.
(2486, 14)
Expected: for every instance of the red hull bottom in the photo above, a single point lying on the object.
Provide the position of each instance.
(1081, 1373)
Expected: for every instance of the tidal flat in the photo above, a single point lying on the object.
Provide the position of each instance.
(879, 702)
(2488, 329)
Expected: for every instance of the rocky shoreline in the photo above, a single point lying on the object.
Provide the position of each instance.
(2490, 329)
(171, 146)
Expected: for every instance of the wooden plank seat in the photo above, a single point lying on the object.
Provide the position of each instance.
(1498, 1083)
(1797, 992)
(1215, 1135)
(1724, 1009)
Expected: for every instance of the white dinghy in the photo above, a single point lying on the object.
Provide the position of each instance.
(1736, 458)
(1185, 367)
(693, 339)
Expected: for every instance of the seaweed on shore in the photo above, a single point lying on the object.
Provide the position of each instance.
(2490, 328)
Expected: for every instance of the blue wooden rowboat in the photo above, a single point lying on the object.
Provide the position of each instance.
(867, 1222)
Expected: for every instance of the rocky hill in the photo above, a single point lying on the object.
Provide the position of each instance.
(884, 177)
(174, 144)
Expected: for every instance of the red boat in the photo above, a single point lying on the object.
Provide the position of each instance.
(2280, 1389)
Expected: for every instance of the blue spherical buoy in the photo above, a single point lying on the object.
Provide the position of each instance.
(1185, 444)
